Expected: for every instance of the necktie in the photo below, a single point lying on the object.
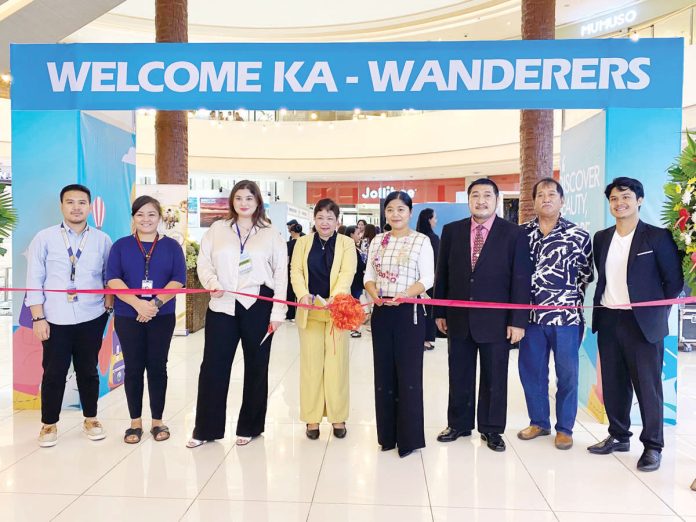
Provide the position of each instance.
(478, 245)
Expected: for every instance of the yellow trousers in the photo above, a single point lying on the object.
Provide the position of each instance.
(324, 386)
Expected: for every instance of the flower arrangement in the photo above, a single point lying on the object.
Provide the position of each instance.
(192, 249)
(679, 212)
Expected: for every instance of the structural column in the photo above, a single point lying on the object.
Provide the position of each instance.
(171, 127)
(536, 126)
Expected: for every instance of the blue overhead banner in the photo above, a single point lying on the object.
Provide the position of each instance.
(530, 74)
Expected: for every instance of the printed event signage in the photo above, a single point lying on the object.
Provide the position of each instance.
(342, 76)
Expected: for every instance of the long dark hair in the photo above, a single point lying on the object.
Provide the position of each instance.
(259, 218)
(423, 226)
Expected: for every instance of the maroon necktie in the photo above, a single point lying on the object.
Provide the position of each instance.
(478, 245)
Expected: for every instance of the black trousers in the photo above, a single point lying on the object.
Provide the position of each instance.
(222, 335)
(292, 310)
(430, 328)
(397, 347)
(79, 343)
(145, 346)
(629, 362)
(492, 396)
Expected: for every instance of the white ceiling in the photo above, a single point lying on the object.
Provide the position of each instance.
(331, 20)
(313, 13)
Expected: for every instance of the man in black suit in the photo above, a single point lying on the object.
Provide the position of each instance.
(482, 258)
(635, 262)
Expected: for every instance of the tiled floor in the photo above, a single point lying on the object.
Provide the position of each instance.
(284, 476)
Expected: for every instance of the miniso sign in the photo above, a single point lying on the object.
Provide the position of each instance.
(422, 75)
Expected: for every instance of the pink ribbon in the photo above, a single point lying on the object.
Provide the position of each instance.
(452, 303)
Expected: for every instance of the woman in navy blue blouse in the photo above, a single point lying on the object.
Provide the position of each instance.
(145, 323)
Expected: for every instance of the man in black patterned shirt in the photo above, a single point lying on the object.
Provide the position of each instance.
(562, 256)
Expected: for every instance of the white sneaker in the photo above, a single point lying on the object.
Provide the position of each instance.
(48, 436)
(93, 429)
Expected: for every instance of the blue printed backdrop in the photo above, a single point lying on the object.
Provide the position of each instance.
(339, 76)
(583, 180)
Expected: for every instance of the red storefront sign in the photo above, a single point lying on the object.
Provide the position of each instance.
(422, 191)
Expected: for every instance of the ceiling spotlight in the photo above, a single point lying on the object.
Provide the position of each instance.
(356, 111)
(6, 77)
(283, 112)
(313, 116)
(635, 36)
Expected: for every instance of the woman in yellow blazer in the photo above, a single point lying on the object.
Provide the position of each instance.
(323, 265)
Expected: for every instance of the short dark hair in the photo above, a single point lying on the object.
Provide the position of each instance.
(370, 232)
(401, 196)
(296, 228)
(75, 187)
(547, 181)
(623, 184)
(350, 230)
(362, 221)
(327, 204)
(483, 181)
(146, 200)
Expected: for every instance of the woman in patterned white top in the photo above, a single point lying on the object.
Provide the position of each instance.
(400, 264)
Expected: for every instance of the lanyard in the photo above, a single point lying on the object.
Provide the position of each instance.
(239, 234)
(73, 256)
(147, 255)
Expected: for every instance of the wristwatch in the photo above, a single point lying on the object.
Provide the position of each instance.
(37, 319)
(158, 302)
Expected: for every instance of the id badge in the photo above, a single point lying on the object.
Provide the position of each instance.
(245, 265)
(72, 295)
(146, 285)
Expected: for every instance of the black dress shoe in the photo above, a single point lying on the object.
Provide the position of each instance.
(312, 434)
(387, 448)
(609, 445)
(649, 460)
(450, 434)
(404, 453)
(340, 433)
(494, 441)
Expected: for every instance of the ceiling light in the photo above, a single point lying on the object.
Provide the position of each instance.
(6, 77)
(313, 115)
(635, 36)
(356, 111)
(283, 112)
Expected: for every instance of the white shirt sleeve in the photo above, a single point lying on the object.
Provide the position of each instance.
(370, 274)
(206, 269)
(279, 262)
(426, 265)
